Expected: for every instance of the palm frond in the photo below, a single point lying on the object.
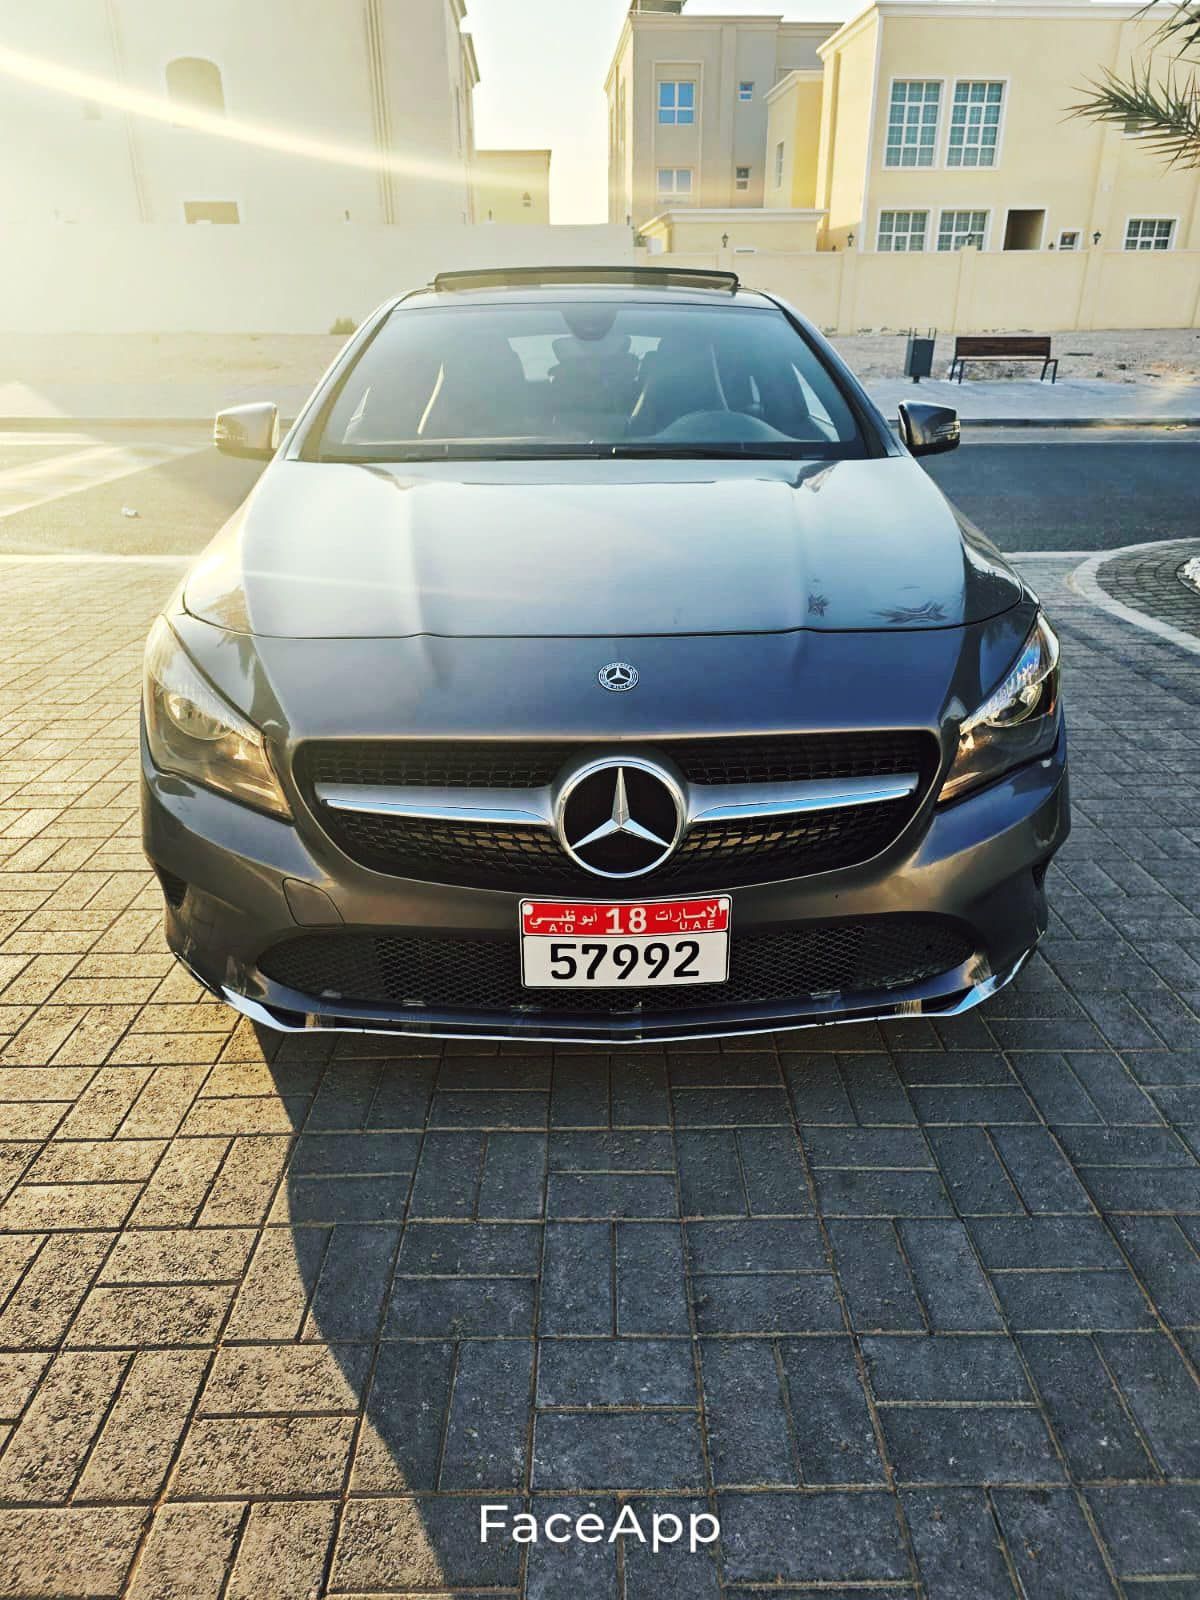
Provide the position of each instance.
(1163, 115)
(1183, 28)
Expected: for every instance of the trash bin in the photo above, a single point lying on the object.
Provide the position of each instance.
(918, 357)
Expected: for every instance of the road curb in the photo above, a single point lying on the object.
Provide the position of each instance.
(1084, 582)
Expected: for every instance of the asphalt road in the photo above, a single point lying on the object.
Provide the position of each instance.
(1035, 490)
(1090, 490)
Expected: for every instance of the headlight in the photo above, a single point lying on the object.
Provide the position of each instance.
(192, 731)
(1016, 723)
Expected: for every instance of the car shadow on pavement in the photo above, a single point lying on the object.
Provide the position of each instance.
(405, 1256)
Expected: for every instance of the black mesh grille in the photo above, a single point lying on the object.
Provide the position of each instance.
(711, 857)
(483, 975)
(499, 764)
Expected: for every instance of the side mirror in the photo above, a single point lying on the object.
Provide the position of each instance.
(251, 432)
(929, 430)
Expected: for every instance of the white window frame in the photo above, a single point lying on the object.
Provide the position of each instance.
(744, 97)
(674, 194)
(780, 161)
(936, 148)
(1078, 245)
(906, 233)
(675, 115)
(1136, 249)
(742, 183)
(959, 211)
(1000, 125)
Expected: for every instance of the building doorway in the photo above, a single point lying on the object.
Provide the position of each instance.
(1024, 229)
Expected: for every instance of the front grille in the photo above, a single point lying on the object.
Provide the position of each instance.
(711, 857)
(483, 975)
(500, 764)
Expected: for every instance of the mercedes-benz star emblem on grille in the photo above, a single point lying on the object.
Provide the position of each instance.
(618, 676)
(620, 819)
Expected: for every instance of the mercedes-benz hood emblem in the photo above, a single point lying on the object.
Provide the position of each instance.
(618, 676)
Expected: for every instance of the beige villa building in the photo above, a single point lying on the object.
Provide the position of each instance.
(917, 126)
(512, 186)
(355, 112)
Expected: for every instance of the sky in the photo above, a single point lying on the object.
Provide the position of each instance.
(543, 64)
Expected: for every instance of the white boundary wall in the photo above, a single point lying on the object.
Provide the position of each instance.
(172, 278)
(972, 291)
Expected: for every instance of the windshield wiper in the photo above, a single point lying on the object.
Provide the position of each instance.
(750, 451)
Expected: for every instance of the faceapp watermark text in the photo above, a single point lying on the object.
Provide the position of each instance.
(662, 1528)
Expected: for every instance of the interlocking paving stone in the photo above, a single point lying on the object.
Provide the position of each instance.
(750, 1435)
(945, 1367)
(1150, 1530)
(280, 1314)
(757, 1302)
(574, 1567)
(1161, 1395)
(957, 1543)
(617, 1449)
(616, 1372)
(1053, 1301)
(1086, 1409)
(826, 1536)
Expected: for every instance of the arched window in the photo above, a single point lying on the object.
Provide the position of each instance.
(527, 201)
(196, 83)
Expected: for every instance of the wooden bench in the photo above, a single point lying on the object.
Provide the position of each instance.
(1004, 347)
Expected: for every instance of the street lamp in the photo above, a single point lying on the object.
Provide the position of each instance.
(849, 241)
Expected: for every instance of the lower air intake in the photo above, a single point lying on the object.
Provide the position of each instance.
(410, 972)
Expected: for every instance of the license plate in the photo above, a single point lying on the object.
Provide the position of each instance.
(603, 944)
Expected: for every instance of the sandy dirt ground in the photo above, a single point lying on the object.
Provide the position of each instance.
(1130, 357)
(1123, 356)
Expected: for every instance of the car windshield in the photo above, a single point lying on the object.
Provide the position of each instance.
(593, 378)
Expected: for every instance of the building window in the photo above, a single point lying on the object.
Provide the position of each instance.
(902, 230)
(676, 102)
(779, 165)
(210, 211)
(912, 124)
(1068, 239)
(1149, 233)
(975, 124)
(195, 83)
(745, 91)
(527, 201)
(674, 183)
(959, 228)
(741, 178)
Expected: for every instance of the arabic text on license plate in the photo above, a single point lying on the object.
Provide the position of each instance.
(617, 944)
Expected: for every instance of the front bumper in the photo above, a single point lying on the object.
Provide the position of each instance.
(252, 882)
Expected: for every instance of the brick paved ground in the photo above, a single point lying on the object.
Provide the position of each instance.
(1151, 581)
(916, 1310)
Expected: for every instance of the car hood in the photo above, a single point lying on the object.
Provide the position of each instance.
(596, 549)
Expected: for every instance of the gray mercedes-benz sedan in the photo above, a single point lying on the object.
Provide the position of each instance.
(592, 662)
